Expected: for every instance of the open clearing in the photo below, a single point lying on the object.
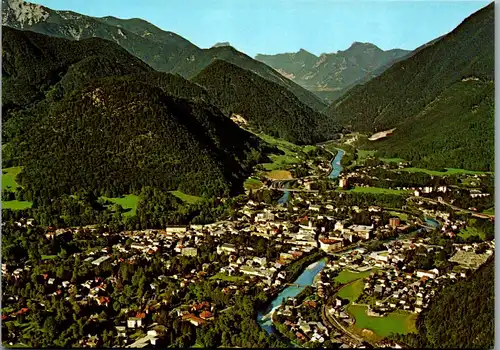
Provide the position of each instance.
(352, 291)
(347, 276)
(395, 322)
(402, 216)
(279, 175)
(363, 154)
(392, 160)
(16, 205)
(280, 161)
(490, 211)
(187, 198)
(128, 202)
(378, 190)
(252, 184)
(449, 171)
(9, 178)
(225, 277)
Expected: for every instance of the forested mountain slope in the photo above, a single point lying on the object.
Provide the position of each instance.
(32, 63)
(267, 107)
(162, 50)
(440, 100)
(109, 123)
(468, 324)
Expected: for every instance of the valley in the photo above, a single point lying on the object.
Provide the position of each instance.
(159, 194)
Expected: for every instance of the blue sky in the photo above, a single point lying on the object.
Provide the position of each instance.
(275, 26)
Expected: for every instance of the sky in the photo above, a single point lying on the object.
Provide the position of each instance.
(277, 26)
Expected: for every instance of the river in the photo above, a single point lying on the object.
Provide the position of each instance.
(336, 167)
(305, 279)
(432, 222)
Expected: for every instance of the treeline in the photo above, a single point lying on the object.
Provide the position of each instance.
(469, 323)
(156, 209)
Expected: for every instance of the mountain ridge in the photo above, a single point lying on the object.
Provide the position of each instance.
(164, 51)
(108, 111)
(440, 100)
(331, 74)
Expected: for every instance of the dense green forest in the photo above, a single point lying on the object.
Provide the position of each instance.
(468, 324)
(266, 106)
(131, 134)
(32, 63)
(455, 131)
(440, 100)
(87, 115)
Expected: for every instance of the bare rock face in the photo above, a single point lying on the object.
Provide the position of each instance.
(23, 13)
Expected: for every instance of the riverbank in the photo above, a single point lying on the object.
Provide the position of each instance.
(302, 275)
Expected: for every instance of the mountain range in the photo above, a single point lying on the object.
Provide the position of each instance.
(164, 51)
(440, 100)
(331, 74)
(88, 115)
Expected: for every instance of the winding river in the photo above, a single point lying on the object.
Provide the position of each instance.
(264, 317)
(336, 167)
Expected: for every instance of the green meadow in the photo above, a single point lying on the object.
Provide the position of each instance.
(128, 202)
(187, 198)
(396, 322)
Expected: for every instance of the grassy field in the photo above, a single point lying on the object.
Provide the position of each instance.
(280, 161)
(187, 198)
(309, 148)
(225, 277)
(252, 184)
(395, 322)
(378, 190)
(279, 175)
(352, 291)
(402, 216)
(470, 231)
(392, 160)
(363, 154)
(347, 276)
(449, 171)
(16, 205)
(9, 178)
(490, 211)
(128, 202)
(49, 257)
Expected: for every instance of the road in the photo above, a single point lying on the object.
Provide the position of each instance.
(333, 323)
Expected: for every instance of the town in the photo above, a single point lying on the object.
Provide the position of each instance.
(380, 254)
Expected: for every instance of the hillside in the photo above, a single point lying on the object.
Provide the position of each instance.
(162, 50)
(32, 63)
(267, 107)
(470, 324)
(330, 74)
(109, 123)
(440, 99)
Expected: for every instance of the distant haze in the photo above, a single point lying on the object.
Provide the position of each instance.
(276, 26)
